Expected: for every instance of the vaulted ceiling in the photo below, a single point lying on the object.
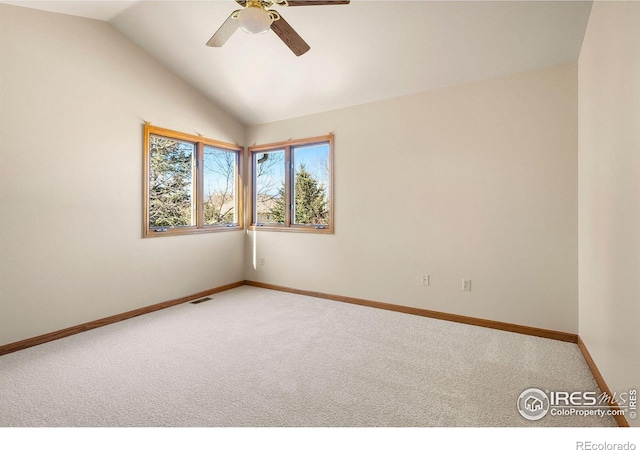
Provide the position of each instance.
(362, 52)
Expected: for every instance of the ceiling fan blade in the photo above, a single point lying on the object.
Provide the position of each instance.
(317, 2)
(289, 36)
(224, 32)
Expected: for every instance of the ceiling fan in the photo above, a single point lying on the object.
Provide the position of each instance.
(256, 18)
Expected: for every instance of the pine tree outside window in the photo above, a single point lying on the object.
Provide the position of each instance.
(292, 185)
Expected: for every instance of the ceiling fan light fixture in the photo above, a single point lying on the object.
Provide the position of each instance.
(254, 20)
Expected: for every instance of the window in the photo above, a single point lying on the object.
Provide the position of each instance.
(192, 184)
(292, 185)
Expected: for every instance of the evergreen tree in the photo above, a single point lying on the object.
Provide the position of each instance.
(170, 183)
(276, 212)
(310, 202)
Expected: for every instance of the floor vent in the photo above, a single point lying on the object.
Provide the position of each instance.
(206, 299)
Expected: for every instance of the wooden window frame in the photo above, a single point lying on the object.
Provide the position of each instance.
(200, 142)
(287, 146)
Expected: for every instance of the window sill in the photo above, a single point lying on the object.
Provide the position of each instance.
(190, 230)
(293, 229)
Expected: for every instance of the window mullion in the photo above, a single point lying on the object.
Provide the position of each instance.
(288, 187)
(238, 198)
(199, 194)
(253, 219)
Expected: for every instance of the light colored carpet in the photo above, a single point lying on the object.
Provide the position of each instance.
(255, 357)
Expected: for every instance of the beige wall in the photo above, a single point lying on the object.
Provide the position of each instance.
(609, 188)
(476, 181)
(74, 94)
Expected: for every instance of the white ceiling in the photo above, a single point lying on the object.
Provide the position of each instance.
(96, 9)
(362, 52)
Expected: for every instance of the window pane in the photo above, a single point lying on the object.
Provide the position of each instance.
(171, 174)
(269, 187)
(219, 186)
(311, 184)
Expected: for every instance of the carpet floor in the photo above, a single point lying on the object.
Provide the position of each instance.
(261, 358)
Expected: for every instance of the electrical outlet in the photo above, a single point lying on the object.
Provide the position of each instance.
(466, 285)
(424, 279)
(262, 261)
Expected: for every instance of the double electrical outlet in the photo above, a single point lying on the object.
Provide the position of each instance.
(424, 281)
